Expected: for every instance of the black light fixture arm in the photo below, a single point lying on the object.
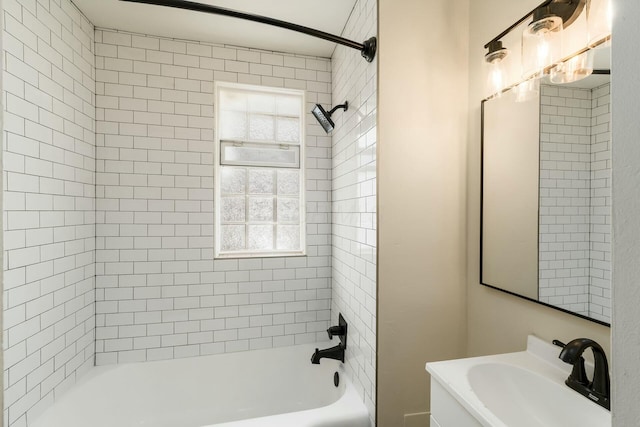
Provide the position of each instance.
(367, 48)
(515, 24)
(568, 10)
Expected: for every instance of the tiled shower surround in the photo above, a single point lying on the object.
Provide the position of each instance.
(159, 292)
(49, 203)
(575, 200)
(354, 202)
(108, 171)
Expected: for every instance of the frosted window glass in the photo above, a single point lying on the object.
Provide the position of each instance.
(288, 210)
(233, 209)
(288, 237)
(260, 237)
(258, 168)
(261, 181)
(261, 209)
(233, 100)
(288, 182)
(288, 130)
(262, 103)
(233, 180)
(289, 106)
(260, 155)
(233, 125)
(233, 237)
(262, 128)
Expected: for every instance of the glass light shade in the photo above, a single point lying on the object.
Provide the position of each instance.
(527, 90)
(574, 69)
(599, 19)
(495, 78)
(541, 46)
(497, 60)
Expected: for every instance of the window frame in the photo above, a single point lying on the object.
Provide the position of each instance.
(217, 160)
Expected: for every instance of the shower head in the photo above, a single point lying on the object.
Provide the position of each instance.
(324, 117)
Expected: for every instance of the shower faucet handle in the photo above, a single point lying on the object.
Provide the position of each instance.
(339, 331)
(336, 331)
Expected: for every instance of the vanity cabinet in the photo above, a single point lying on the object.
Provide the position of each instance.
(446, 411)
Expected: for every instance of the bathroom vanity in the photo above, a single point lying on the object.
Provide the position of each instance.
(523, 389)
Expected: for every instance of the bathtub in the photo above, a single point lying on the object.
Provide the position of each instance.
(267, 388)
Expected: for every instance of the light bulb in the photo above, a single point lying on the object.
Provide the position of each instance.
(496, 78)
(543, 52)
(495, 59)
(541, 45)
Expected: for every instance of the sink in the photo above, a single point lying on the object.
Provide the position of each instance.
(522, 389)
(520, 397)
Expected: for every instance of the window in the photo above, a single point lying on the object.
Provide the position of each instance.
(259, 172)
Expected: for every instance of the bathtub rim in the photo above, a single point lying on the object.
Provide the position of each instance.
(346, 397)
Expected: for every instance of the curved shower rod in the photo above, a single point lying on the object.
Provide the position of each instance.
(367, 48)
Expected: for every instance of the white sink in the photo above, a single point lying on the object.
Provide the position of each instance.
(519, 397)
(523, 389)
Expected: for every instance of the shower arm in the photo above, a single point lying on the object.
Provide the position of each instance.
(344, 106)
(367, 49)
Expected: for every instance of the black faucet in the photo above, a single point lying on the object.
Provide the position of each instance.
(598, 389)
(336, 352)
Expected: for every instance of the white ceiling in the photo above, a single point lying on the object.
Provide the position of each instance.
(329, 16)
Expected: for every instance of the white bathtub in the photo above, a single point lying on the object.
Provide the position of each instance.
(267, 388)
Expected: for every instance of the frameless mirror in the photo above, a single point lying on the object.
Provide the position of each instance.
(546, 194)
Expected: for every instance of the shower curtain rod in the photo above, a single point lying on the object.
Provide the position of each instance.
(367, 48)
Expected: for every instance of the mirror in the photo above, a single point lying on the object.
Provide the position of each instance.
(546, 194)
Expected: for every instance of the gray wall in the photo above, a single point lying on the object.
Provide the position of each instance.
(625, 88)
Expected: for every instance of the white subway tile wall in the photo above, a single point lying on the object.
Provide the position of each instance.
(575, 200)
(354, 202)
(49, 203)
(600, 237)
(565, 139)
(160, 294)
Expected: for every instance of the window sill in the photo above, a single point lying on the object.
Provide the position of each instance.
(245, 255)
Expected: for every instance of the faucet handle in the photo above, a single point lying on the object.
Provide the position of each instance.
(337, 331)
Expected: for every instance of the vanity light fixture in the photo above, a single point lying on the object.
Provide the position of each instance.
(573, 69)
(527, 90)
(496, 73)
(541, 42)
(542, 50)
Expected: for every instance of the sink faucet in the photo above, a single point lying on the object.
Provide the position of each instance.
(598, 389)
(336, 352)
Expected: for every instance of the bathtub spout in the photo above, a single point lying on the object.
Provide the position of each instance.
(336, 353)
